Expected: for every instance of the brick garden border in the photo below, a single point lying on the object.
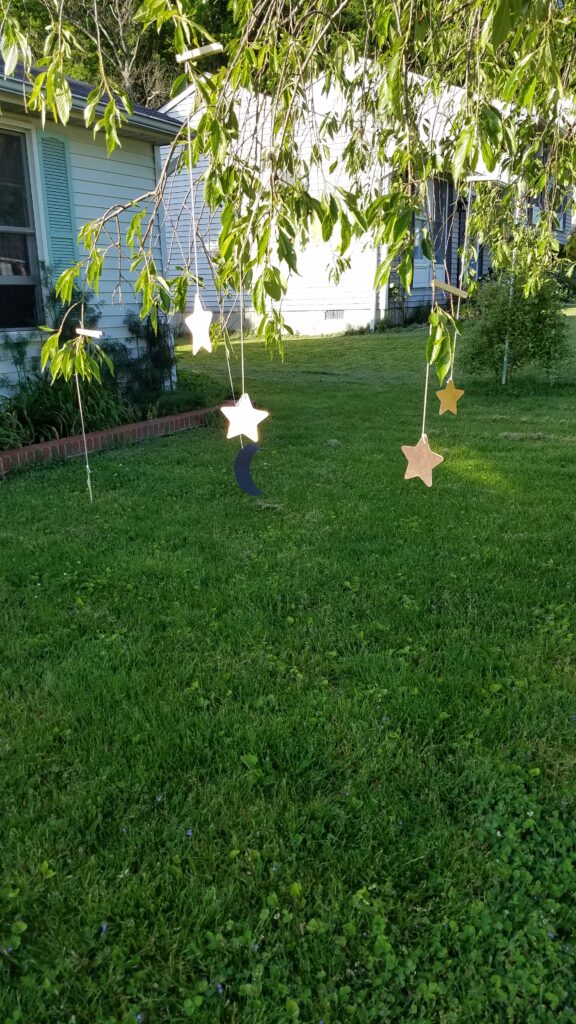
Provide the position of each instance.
(99, 440)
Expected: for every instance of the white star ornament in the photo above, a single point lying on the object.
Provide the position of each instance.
(243, 418)
(198, 323)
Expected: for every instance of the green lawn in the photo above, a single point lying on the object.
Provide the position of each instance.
(309, 757)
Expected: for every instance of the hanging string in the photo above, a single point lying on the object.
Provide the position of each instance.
(86, 459)
(425, 399)
(462, 274)
(242, 329)
(192, 206)
(81, 409)
(430, 217)
(229, 371)
(427, 377)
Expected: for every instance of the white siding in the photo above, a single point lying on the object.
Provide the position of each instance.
(312, 297)
(313, 303)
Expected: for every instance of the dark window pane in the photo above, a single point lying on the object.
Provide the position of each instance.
(14, 261)
(13, 198)
(18, 306)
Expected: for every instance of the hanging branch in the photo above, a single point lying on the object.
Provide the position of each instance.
(399, 91)
(80, 357)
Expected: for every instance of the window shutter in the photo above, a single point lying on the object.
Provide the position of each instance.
(58, 204)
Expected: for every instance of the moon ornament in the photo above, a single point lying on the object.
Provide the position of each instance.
(242, 470)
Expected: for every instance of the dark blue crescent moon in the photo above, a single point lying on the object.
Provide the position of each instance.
(242, 469)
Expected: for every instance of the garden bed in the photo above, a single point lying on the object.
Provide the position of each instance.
(72, 447)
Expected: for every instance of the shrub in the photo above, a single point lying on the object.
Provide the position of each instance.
(39, 410)
(146, 374)
(535, 326)
(203, 389)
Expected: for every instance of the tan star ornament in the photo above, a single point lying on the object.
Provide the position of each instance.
(421, 461)
(198, 323)
(449, 398)
(243, 418)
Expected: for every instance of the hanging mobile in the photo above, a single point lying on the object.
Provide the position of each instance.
(243, 419)
(85, 332)
(198, 322)
(420, 457)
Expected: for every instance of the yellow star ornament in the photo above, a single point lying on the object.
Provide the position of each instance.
(243, 418)
(198, 323)
(421, 461)
(449, 398)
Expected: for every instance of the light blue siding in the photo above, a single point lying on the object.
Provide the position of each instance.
(77, 182)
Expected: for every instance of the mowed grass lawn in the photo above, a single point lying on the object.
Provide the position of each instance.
(306, 758)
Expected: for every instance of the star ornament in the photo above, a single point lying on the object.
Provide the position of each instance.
(198, 323)
(449, 398)
(421, 461)
(243, 418)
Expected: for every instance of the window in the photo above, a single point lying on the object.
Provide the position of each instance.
(19, 305)
(333, 314)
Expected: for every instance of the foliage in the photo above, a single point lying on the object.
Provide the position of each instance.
(146, 374)
(139, 64)
(41, 410)
(65, 351)
(83, 308)
(534, 324)
(565, 272)
(345, 794)
(196, 389)
(441, 88)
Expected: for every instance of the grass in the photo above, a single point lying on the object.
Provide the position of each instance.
(309, 757)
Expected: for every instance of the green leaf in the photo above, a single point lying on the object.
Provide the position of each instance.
(272, 283)
(462, 150)
(405, 270)
(501, 24)
(427, 247)
(327, 227)
(489, 155)
(10, 54)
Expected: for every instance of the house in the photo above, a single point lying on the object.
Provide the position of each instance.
(53, 181)
(314, 303)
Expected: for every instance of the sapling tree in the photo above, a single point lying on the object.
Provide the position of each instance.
(333, 117)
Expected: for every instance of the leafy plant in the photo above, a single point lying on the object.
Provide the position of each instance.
(13, 433)
(41, 410)
(146, 374)
(205, 389)
(534, 325)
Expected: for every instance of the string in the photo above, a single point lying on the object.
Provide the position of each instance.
(88, 474)
(229, 371)
(192, 205)
(242, 328)
(462, 274)
(80, 407)
(433, 303)
(425, 399)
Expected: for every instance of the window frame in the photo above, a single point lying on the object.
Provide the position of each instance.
(32, 279)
